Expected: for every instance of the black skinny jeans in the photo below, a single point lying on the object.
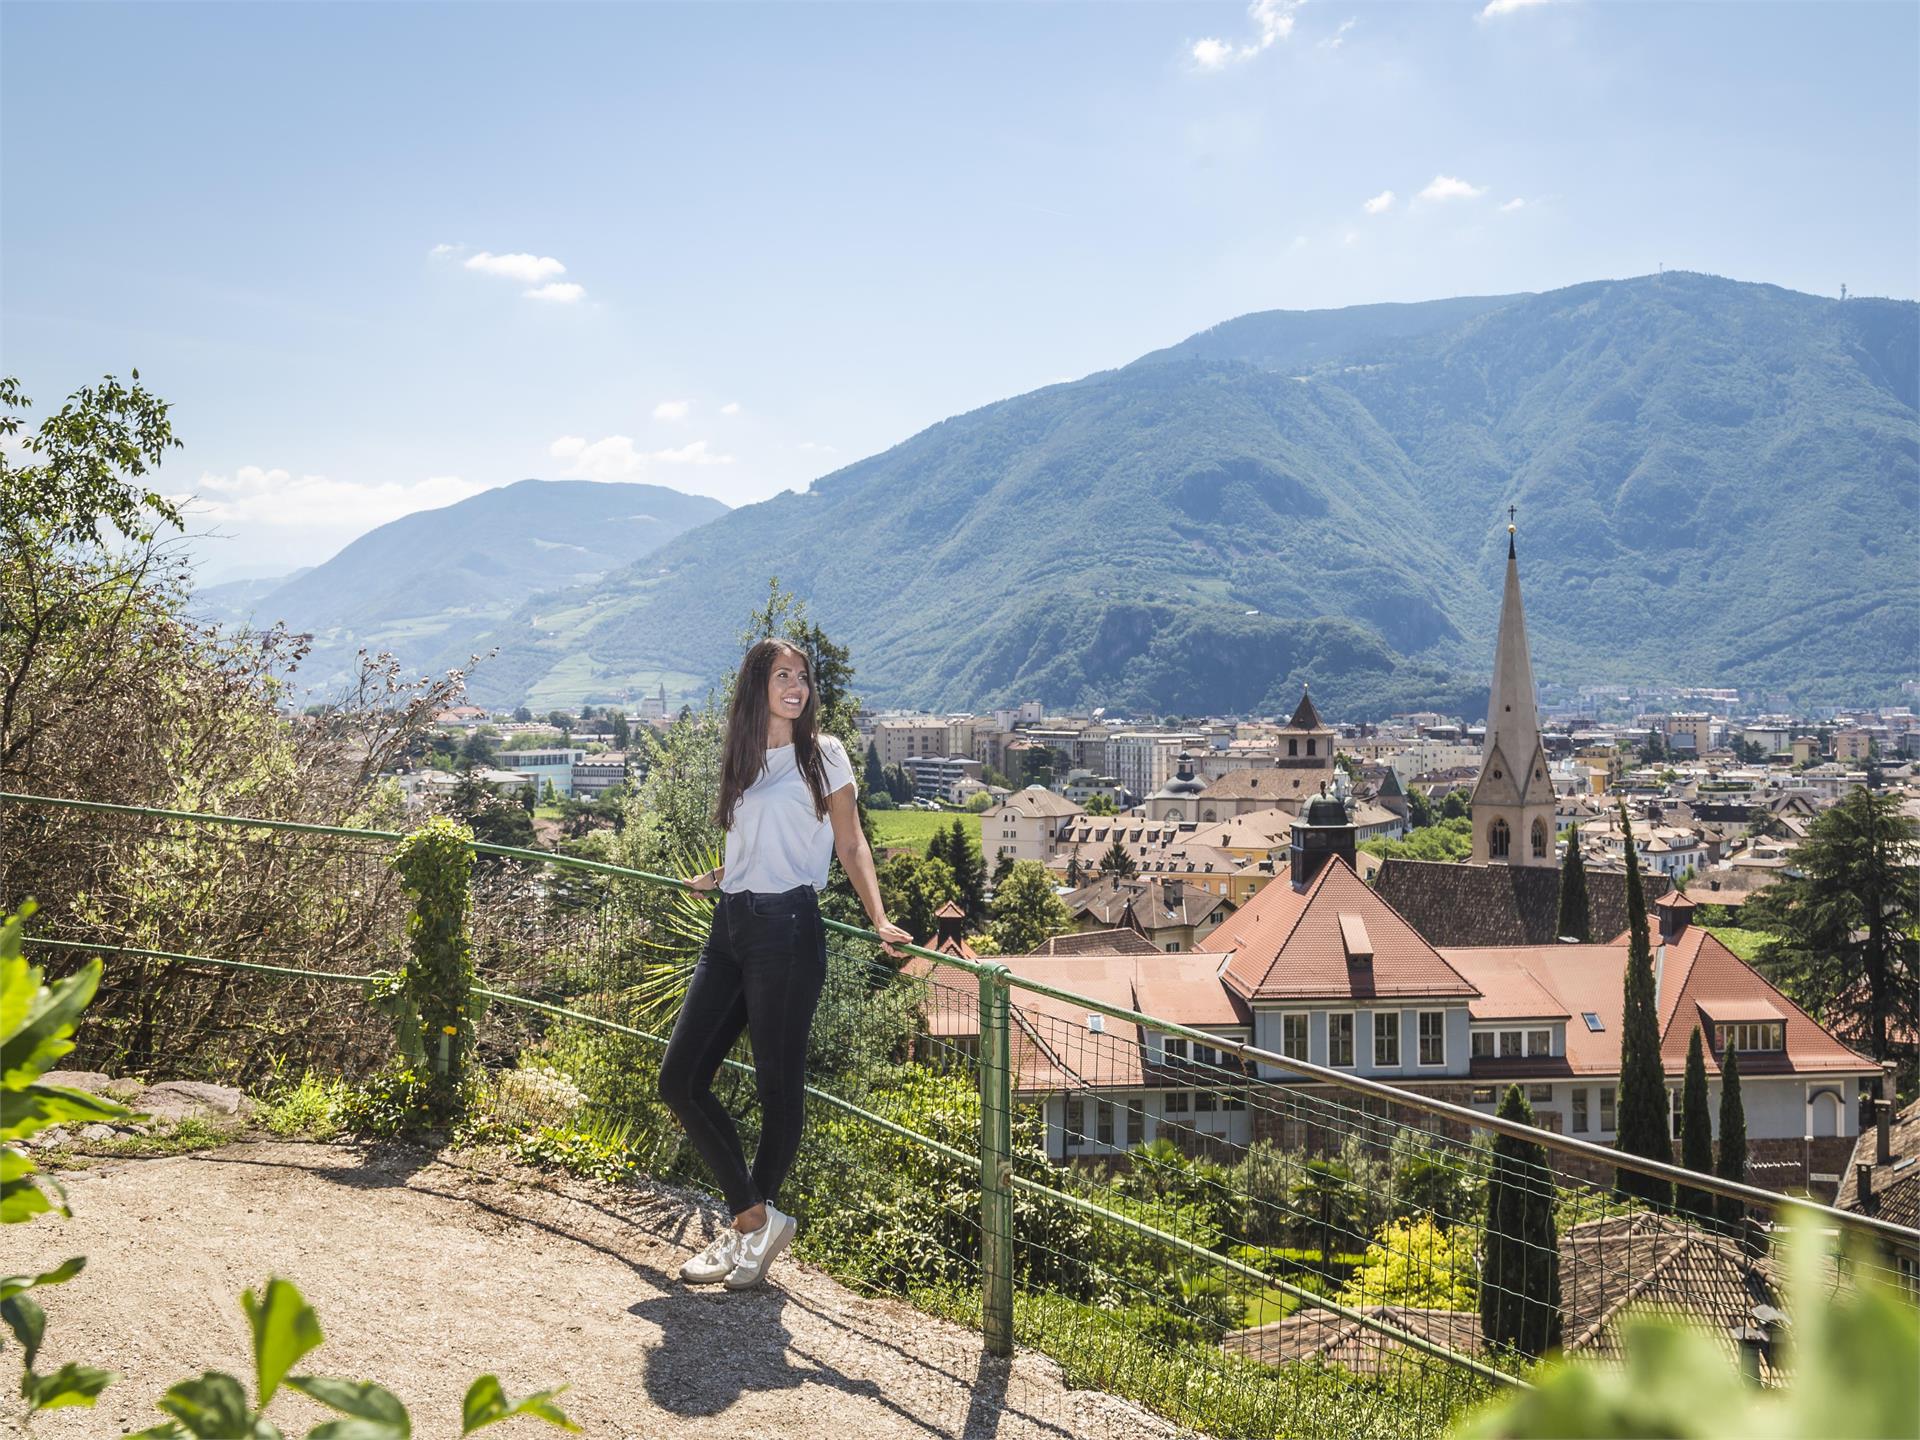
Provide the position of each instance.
(760, 971)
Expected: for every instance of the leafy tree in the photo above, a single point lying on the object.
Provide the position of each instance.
(1696, 1132)
(1455, 806)
(1100, 805)
(1325, 1198)
(1419, 809)
(622, 731)
(561, 720)
(785, 615)
(1117, 860)
(1520, 1276)
(1415, 1262)
(89, 461)
(522, 715)
(1575, 917)
(914, 886)
(1849, 923)
(1002, 867)
(1025, 910)
(1643, 1128)
(1732, 1164)
(476, 751)
(1448, 840)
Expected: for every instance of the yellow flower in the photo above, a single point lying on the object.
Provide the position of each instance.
(451, 1029)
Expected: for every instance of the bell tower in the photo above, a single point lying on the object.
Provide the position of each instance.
(1513, 821)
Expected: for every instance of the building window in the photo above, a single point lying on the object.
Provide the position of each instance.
(1340, 1040)
(1310, 746)
(1482, 1048)
(1386, 1039)
(1539, 1094)
(1205, 1055)
(1076, 1121)
(1204, 1101)
(1176, 1048)
(1606, 1109)
(1136, 1126)
(1293, 747)
(1499, 840)
(1293, 1036)
(1761, 1035)
(1579, 1109)
(1510, 1045)
(1178, 1102)
(1433, 1037)
(1594, 1023)
(1539, 1042)
(1539, 839)
(1106, 1124)
(1673, 1109)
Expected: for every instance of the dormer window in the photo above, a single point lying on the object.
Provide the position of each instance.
(1751, 1035)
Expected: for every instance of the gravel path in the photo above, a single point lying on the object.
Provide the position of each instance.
(428, 1271)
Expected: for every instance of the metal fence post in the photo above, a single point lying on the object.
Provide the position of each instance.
(996, 1164)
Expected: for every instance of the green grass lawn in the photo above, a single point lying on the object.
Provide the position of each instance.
(915, 827)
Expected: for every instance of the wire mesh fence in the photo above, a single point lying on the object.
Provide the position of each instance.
(1243, 1244)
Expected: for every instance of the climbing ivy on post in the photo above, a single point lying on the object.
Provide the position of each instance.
(435, 1017)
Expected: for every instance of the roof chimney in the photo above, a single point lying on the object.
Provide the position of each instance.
(1883, 1131)
(1863, 1185)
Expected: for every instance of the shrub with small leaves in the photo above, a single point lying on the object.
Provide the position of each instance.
(434, 1006)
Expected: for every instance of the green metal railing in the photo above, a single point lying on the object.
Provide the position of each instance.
(998, 1178)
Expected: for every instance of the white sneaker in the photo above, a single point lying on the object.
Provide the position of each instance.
(759, 1248)
(716, 1261)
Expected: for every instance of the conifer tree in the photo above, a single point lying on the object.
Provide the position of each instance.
(1733, 1141)
(1117, 861)
(1520, 1277)
(1696, 1132)
(1643, 1127)
(875, 780)
(969, 868)
(1575, 920)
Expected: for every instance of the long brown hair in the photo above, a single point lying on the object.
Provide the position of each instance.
(746, 743)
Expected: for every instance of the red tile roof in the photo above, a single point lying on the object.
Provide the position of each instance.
(1700, 972)
(1287, 945)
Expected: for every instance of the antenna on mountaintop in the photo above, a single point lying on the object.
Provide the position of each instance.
(1843, 290)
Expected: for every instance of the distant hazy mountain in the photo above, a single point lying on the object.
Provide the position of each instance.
(434, 586)
(233, 601)
(1715, 482)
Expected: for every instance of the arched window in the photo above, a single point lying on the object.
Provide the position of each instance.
(1499, 841)
(1293, 747)
(1310, 745)
(1209, 815)
(1539, 839)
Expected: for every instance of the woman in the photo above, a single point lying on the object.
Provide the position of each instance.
(787, 806)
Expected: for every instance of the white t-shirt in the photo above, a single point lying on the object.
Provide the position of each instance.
(775, 842)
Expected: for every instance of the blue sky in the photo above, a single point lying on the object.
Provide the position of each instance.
(382, 257)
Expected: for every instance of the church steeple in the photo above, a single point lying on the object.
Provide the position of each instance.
(1513, 819)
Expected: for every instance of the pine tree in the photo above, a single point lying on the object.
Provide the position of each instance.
(1733, 1142)
(1575, 920)
(1117, 861)
(1520, 1277)
(875, 780)
(1644, 1122)
(969, 868)
(1696, 1132)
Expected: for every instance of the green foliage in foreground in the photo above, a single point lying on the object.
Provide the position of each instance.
(215, 1407)
(1855, 1363)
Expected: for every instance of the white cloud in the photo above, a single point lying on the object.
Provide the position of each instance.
(1379, 204)
(1447, 187)
(1339, 36)
(672, 409)
(732, 407)
(1514, 204)
(562, 292)
(527, 269)
(1352, 237)
(442, 250)
(616, 457)
(1494, 9)
(256, 495)
(1272, 23)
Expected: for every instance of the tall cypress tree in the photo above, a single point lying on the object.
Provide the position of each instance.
(1520, 1278)
(1696, 1132)
(1643, 1120)
(1574, 917)
(1733, 1142)
(875, 782)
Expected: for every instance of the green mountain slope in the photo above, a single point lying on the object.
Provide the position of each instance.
(435, 586)
(1716, 484)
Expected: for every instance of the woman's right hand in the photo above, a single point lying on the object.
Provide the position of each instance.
(705, 883)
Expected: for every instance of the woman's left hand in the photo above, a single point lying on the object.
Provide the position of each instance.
(891, 935)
